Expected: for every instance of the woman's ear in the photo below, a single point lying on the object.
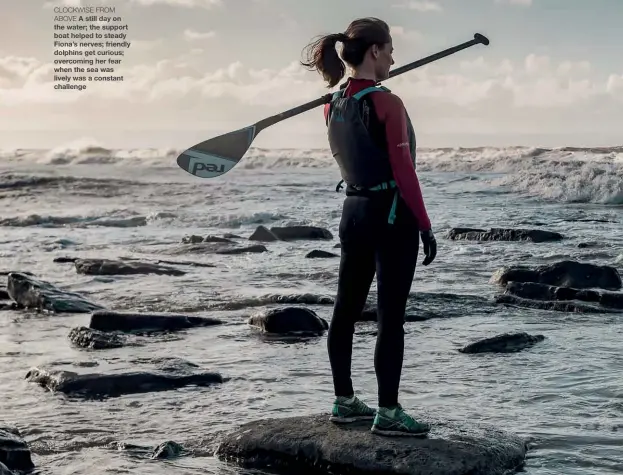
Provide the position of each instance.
(374, 50)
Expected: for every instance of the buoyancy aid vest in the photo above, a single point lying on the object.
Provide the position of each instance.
(363, 163)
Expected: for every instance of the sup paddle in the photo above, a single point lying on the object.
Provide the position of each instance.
(216, 156)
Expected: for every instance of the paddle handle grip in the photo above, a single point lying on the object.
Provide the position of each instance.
(267, 122)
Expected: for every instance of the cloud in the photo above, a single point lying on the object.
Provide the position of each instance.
(524, 3)
(421, 6)
(192, 35)
(403, 33)
(536, 94)
(615, 86)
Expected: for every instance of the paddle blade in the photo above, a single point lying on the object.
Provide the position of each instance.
(216, 156)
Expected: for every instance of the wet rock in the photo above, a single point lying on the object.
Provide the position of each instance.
(584, 245)
(566, 273)
(289, 320)
(290, 233)
(243, 250)
(65, 259)
(503, 234)
(92, 339)
(216, 248)
(263, 234)
(338, 246)
(504, 343)
(568, 307)
(14, 451)
(111, 267)
(4, 295)
(43, 296)
(530, 290)
(311, 443)
(100, 385)
(320, 254)
(211, 238)
(194, 239)
(167, 450)
(107, 321)
(9, 306)
(185, 263)
(7, 272)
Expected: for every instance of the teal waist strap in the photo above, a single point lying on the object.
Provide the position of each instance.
(385, 186)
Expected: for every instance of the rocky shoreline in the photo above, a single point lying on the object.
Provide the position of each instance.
(310, 442)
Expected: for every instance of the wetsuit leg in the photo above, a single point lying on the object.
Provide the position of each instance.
(357, 267)
(396, 259)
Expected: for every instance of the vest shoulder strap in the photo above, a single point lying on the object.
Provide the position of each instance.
(370, 89)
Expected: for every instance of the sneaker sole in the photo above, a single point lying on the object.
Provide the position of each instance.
(397, 433)
(345, 420)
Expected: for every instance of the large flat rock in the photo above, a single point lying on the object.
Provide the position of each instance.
(313, 444)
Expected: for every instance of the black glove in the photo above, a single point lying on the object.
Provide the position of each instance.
(430, 246)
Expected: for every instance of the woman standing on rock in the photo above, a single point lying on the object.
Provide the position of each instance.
(373, 142)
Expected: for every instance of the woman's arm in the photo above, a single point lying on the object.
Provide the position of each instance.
(391, 111)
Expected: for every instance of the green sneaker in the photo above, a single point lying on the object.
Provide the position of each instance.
(397, 422)
(350, 410)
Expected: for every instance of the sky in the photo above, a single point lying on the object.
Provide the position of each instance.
(552, 75)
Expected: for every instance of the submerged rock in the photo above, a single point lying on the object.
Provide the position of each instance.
(194, 239)
(504, 234)
(92, 339)
(566, 273)
(568, 306)
(116, 384)
(320, 254)
(4, 295)
(43, 296)
(531, 290)
(290, 233)
(289, 320)
(14, 451)
(312, 443)
(112, 267)
(166, 450)
(216, 248)
(504, 343)
(4, 470)
(107, 321)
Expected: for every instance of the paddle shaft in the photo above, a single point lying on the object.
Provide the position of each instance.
(267, 122)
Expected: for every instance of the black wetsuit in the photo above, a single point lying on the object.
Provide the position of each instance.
(371, 244)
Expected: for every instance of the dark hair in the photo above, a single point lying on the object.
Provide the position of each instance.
(358, 37)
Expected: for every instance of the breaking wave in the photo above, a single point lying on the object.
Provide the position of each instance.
(567, 174)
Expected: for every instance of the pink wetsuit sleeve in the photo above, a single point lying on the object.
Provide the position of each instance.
(391, 111)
